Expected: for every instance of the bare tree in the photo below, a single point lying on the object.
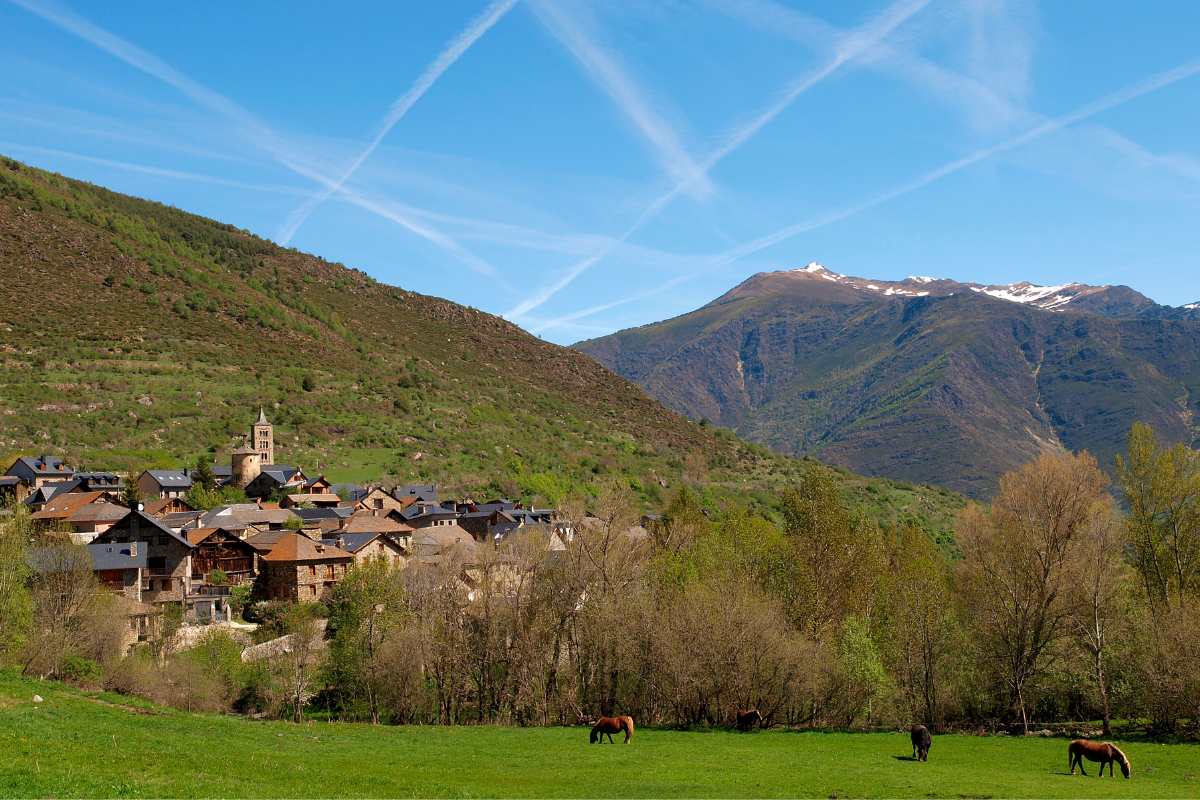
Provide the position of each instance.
(1096, 591)
(1015, 567)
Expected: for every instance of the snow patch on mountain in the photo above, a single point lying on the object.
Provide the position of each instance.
(1192, 306)
(1030, 293)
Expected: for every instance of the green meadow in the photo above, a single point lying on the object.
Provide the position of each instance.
(80, 744)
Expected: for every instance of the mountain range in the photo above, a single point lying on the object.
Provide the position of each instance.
(135, 335)
(925, 379)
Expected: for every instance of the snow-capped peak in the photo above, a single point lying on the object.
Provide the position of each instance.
(1050, 298)
(811, 267)
(1192, 306)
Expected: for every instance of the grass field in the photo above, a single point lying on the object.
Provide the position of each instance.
(98, 745)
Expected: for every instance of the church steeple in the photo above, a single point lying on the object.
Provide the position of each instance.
(262, 438)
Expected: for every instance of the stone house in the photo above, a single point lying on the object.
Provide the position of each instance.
(382, 503)
(367, 547)
(168, 573)
(34, 472)
(300, 570)
(164, 483)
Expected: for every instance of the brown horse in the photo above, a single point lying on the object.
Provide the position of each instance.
(748, 719)
(611, 725)
(1104, 752)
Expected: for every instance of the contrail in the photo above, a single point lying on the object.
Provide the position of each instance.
(146, 169)
(1106, 103)
(258, 132)
(452, 52)
(609, 76)
(851, 46)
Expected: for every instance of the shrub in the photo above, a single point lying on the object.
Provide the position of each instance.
(78, 669)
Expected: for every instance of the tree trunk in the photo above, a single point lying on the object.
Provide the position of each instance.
(1103, 686)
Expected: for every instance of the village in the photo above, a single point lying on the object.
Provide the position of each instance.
(293, 540)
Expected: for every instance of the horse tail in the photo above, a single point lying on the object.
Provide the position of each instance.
(627, 724)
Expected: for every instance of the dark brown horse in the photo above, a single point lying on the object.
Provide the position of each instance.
(748, 718)
(1104, 752)
(611, 725)
(921, 742)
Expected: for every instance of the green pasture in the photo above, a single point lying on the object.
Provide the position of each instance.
(77, 744)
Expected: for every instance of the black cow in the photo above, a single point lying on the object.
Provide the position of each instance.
(921, 742)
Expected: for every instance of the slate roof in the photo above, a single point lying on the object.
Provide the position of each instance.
(351, 542)
(118, 556)
(421, 491)
(143, 519)
(41, 465)
(99, 480)
(352, 490)
(171, 478)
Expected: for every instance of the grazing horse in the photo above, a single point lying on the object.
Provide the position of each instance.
(921, 742)
(611, 725)
(748, 719)
(1104, 752)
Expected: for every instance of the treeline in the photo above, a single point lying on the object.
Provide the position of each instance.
(1067, 599)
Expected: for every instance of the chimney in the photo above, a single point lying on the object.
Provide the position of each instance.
(133, 549)
(320, 547)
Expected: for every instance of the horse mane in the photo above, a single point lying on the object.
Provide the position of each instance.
(1124, 758)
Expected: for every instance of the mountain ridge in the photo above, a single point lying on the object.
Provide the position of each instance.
(926, 379)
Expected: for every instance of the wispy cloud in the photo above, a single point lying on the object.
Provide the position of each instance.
(1049, 126)
(445, 59)
(606, 71)
(848, 47)
(253, 129)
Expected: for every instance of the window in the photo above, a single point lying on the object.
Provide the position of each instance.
(378, 503)
(312, 570)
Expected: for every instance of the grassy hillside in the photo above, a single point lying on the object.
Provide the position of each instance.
(77, 744)
(135, 335)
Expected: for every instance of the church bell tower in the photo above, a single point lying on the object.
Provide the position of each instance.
(262, 438)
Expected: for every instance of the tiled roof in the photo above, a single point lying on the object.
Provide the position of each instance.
(100, 512)
(366, 523)
(296, 547)
(64, 505)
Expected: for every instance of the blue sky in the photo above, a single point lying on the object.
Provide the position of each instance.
(582, 167)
